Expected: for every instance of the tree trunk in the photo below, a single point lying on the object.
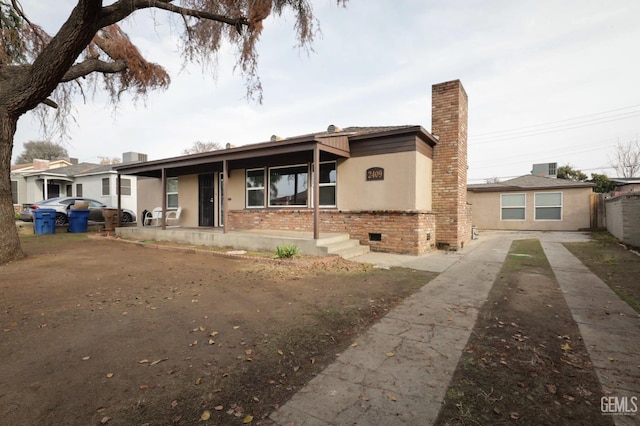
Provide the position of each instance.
(9, 241)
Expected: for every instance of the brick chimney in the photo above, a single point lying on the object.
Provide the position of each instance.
(449, 123)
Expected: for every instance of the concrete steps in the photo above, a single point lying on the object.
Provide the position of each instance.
(343, 246)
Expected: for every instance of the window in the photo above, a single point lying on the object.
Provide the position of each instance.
(172, 193)
(328, 184)
(14, 192)
(512, 206)
(69, 190)
(78, 190)
(125, 186)
(106, 186)
(255, 188)
(548, 205)
(288, 186)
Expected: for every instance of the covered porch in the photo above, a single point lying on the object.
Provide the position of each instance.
(210, 201)
(327, 244)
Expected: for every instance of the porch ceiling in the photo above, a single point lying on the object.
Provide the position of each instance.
(250, 156)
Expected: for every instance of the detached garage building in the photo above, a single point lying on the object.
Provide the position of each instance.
(533, 203)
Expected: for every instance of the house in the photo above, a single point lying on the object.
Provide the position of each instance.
(45, 179)
(624, 185)
(532, 202)
(398, 189)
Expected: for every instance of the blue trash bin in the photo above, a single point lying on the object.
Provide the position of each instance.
(78, 220)
(44, 221)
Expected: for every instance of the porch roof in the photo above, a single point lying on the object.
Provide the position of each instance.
(331, 145)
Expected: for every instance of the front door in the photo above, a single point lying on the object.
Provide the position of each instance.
(205, 200)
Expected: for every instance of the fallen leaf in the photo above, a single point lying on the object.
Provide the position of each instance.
(212, 342)
(157, 361)
(390, 354)
(144, 387)
(248, 351)
(514, 415)
(86, 358)
(205, 416)
(174, 403)
(247, 419)
(213, 334)
(109, 375)
(497, 410)
(566, 347)
(198, 381)
(201, 328)
(551, 388)
(105, 420)
(218, 407)
(143, 361)
(235, 327)
(280, 352)
(354, 344)
(392, 397)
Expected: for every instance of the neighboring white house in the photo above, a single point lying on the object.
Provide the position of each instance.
(60, 178)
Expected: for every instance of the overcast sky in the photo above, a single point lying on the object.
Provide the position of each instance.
(548, 81)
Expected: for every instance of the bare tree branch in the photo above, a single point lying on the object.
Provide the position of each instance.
(121, 9)
(93, 65)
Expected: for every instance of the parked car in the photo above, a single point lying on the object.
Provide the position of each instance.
(62, 205)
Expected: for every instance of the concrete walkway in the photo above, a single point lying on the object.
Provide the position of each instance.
(399, 370)
(609, 327)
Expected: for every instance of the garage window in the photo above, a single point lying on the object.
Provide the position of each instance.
(548, 205)
(512, 206)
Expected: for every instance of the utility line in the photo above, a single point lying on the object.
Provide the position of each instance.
(554, 122)
(553, 130)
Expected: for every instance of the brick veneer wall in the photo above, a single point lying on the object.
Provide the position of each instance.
(449, 180)
(400, 231)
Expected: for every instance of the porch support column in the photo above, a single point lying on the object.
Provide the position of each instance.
(45, 188)
(119, 192)
(164, 198)
(316, 192)
(225, 207)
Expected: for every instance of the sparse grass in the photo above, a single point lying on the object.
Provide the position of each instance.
(514, 354)
(527, 254)
(613, 264)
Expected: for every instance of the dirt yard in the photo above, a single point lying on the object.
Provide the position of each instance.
(106, 332)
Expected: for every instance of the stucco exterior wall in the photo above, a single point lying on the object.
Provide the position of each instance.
(236, 197)
(188, 200)
(402, 172)
(149, 195)
(575, 211)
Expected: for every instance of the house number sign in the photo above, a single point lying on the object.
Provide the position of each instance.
(375, 173)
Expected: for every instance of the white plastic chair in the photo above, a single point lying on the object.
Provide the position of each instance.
(153, 217)
(174, 216)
